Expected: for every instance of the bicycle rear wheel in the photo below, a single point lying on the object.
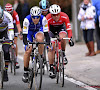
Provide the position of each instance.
(2, 69)
(61, 68)
(38, 63)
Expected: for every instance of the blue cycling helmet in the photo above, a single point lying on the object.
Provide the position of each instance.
(44, 4)
(1, 13)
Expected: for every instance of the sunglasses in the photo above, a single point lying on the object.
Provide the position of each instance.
(44, 10)
(55, 14)
(35, 17)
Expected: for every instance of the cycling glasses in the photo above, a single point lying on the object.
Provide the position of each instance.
(55, 14)
(35, 17)
(44, 10)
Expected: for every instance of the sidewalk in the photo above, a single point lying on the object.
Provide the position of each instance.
(80, 67)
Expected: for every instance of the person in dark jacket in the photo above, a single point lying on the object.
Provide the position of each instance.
(25, 9)
(17, 7)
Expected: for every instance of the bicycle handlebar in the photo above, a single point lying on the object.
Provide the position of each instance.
(37, 42)
(62, 38)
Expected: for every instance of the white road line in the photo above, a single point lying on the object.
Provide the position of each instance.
(79, 83)
(73, 80)
(20, 57)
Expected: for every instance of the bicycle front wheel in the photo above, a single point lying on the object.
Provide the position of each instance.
(38, 63)
(61, 69)
(2, 69)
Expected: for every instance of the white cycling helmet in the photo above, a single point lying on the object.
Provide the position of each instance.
(54, 9)
(35, 11)
(1, 13)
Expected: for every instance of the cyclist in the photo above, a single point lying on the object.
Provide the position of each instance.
(6, 30)
(56, 20)
(17, 28)
(44, 5)
(34, 25)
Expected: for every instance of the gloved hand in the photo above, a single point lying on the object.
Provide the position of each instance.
(50, 48)
(71, 43)
(26, 47)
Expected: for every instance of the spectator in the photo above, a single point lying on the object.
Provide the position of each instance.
(86, 16)
(25, 9)
(17, 8)
(96, 3)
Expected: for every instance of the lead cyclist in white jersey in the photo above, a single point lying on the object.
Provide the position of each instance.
(6, 30)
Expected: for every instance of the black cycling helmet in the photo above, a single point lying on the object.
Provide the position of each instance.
(44, 4)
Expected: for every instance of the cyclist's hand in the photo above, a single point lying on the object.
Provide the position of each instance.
(12, 46)
(71, 43)
(50, 48)
(26, 47)
(20, 36)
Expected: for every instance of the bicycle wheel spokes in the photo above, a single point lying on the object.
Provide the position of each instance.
(38, 73)
(61, 69)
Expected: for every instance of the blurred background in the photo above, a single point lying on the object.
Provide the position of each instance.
(71, 7)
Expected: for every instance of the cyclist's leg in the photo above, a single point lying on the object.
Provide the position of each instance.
(7, 59)
(5, 47)
(51, 56)
(63, 34)
(27, 59)
(40, 38)
(16, 46)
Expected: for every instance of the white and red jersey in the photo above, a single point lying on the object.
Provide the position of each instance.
(15, 17)
(63, 19)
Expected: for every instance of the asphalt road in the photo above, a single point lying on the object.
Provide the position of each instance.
(15, 82)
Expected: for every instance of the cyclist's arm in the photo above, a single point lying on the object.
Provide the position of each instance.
(10, 26)
(45, 30)
(25, 30)
(19, 28)
(16, 18)
(68, 26)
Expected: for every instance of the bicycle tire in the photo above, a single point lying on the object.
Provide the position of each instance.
(61, 68)
(37, 74)
(13, 62)
(31, 76)
(56, 68)
(2, 68)
(45, 62)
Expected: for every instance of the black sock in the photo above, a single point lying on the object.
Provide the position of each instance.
(41, 56)
(26, 69)
(51, 65)
(63, 53)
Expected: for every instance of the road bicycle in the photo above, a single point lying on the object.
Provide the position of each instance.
(13, 56)
(59, 60)
(36, 71)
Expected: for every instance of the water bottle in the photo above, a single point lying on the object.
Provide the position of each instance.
(31, 63)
